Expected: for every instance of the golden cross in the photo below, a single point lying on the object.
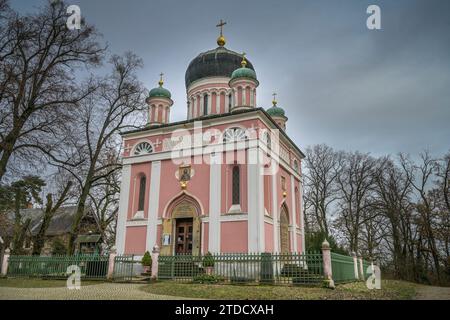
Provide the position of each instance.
(161, 75)
(220, 25)
(274, 96)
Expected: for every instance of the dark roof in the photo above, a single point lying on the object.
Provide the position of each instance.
(61, 222)
(219, 62)
(214, 116)
(88, 238)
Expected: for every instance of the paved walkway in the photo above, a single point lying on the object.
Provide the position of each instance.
(432, 293)
(104, 291)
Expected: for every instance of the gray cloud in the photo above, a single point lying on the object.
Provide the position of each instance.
(377, 91)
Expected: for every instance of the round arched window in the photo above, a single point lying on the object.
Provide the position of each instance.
(234, 135)
(143, 148)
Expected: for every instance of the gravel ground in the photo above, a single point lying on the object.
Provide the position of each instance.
(104, 291)
(432, 293)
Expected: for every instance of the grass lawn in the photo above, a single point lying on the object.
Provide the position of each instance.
(38, 283)
(390, 290)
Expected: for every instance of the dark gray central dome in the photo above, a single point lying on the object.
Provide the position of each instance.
(219, 62)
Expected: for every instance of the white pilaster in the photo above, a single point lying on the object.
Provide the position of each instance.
(217, 102)
(294, 214)
(153, 205)
(123, 208)
(215, 194)
(302, 217)
(209, 102)
(255, 185)
(275, 211)
(202, 101)
(227, 102)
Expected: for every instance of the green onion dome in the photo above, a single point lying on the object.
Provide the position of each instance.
(160, 92)
(275, 111)
(243, 71)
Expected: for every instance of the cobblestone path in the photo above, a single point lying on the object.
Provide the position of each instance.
(104, 291)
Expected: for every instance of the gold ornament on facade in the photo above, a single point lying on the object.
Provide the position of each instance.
(183, 185)
(284, 194)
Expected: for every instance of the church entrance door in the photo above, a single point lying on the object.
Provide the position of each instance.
(184, 236)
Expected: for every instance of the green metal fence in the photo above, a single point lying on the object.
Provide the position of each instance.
(284, 268)
(342, 268)
(124, 268)
(91, 266)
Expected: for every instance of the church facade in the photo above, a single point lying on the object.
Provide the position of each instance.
(225, 180)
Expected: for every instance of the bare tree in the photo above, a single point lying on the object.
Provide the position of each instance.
(38, 58)
(356, 184)
(92, 139)
(322, 166)
(420, 178)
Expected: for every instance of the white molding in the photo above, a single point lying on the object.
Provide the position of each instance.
(193, 87)
(233, 217)
(275, 213)
(215, 195)
(235, 208)
(123, 208)
(294, 213)
(139, 215)
(137, 223)
(255, 196)
(268, 219)
(153, 205)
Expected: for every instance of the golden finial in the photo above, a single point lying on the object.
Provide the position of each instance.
(274, 101)
(221, 39)
(244, 62)
(161, 82)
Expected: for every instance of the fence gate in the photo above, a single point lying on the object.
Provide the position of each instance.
(124, 268)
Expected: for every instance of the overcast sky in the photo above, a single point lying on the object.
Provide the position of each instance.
(384, 91)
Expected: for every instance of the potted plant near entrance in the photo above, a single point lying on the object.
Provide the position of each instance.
(146, 262)
(208, 263)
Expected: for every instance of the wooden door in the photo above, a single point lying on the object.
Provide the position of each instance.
(184, 231)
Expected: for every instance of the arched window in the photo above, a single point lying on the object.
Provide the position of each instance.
(143, 148)
(142, 183)
(295, 165)
(205, 105)
(229, 101)
(236, 185)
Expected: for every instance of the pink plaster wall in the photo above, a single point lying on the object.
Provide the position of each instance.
(234, 237)
(135, 239)
(268, 194)
(136, 171)
(159, 235)
(205, 240)
(268, 232)
(198, 186)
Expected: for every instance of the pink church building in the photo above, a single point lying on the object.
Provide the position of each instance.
(225, 180)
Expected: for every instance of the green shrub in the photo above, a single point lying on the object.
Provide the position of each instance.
(208, 260)
(146, 259)
(208, 278)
